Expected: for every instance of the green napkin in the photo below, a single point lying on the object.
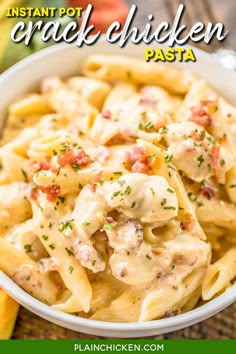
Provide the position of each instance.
(13, 52)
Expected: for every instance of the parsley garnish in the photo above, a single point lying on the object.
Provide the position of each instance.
(168, 158)
(28, 248)
(170, 190)
(85, 223)
(70, 253)
(24, 175)
(66, 224)
(200, 159)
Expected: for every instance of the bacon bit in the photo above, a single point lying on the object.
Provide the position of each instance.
(50, 83)
(34, 193)
(65, 158)
(52, 191)
(207, 192)
(70, 157)
(44, 165)
(210, 106)
(59, 286)
(170, 313)
(157, 251)
(81, 158)
(196, 136)
(135, 154)
(215, 157)
(89, 257)
(201, 114)
(106, 114)
(49, 264)
(187, 223)
(158, 126)
(139, 160)
(199, 118)
(223, 137)
(96, 180)
(141, 165)
(149, 101)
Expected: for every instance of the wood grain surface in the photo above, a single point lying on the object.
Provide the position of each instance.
(222, 325)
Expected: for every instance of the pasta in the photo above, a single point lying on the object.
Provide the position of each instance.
(118, 192)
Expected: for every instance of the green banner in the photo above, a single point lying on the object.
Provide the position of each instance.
(119, 346)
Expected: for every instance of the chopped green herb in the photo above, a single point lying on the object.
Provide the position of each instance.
(70, 253)
(45, 238)
(128, 190)
(170, 190)
(108, 227)
(140, 126)
(163, 202)
(80, 186)
(117, 173)
(93, 262)
(233, 186)
(192, 197)
(168, 158)
(50, 225)
(200, 159)
(71, 269)
(58, 171)
(153, 192)
(164, 130)
(52, 246)
(211, 140)
(133, 205)
(28, 278)
(101, 181)
(222, 162)
(148, 256)
(24, 175)
(40, 208)
(65, 147)
(149, 125)
(121, 182)
(75, 166)
(153, 157)
(169, 208)
(66, 224)
(85, 223)
(115, 194)
(28, 248)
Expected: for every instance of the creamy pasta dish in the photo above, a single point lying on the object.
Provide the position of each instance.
(118, 191)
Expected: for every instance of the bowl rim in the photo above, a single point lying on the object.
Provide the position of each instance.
(45, 311)
(197, 314)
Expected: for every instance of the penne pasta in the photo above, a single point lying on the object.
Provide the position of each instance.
(118, 192)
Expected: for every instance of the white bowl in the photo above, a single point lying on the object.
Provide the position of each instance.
(64, 60)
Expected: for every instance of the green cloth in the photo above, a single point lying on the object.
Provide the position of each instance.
(13, 52)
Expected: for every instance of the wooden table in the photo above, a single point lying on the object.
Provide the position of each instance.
(223, 325)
